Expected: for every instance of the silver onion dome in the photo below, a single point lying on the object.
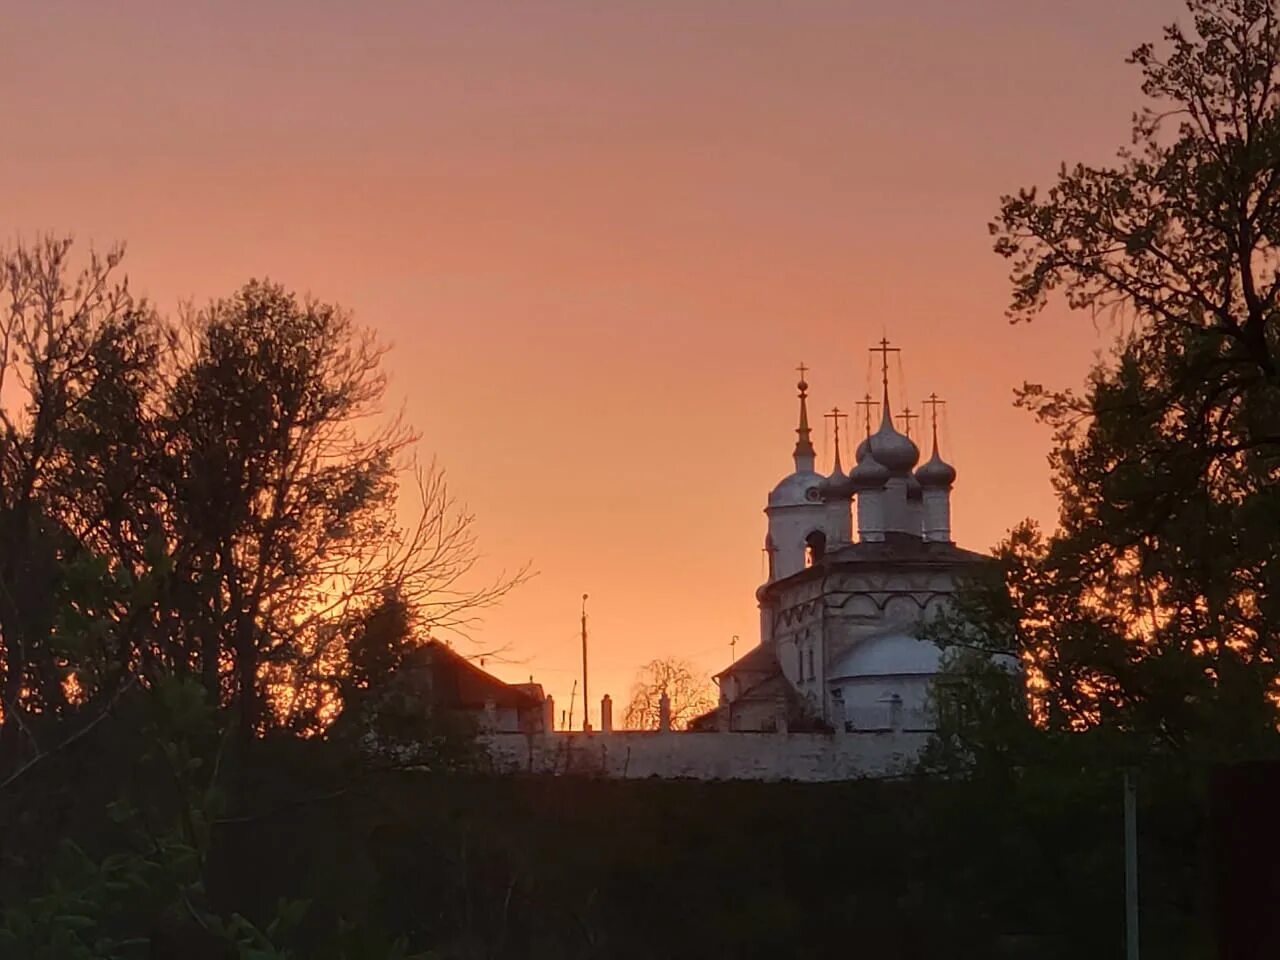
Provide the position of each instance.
(936, 473)
(894, 450)
(869, 474)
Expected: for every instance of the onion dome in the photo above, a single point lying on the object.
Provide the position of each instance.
(869, 474)
(894, 450)
(936, 473)
(797, 490)
(836, 487)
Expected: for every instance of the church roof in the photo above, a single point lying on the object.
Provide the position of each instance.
(758, 660)
(897, 549)
(904, 548)
(769, 689)
(892, 653)
(801, 488)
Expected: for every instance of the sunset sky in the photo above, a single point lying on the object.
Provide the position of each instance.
(599, 237)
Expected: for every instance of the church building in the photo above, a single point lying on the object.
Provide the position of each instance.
(842, 611)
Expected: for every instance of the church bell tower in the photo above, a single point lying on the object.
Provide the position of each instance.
(797, 513)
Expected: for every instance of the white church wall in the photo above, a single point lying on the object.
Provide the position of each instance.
(788, 528)
(903, 608)
(898, 514)
(753, 715)
(789, 655)
(839, 523)
(810, 757)
(861, 607)
(867, 697)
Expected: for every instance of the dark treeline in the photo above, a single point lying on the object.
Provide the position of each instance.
(472, 867)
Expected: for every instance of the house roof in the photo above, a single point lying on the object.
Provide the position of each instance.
(456, 682)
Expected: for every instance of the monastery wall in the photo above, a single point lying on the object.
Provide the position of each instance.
(806, 757)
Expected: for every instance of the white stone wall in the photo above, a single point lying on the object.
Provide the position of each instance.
(808, 757)
(788, 528)
(869, 693)
(832, 615)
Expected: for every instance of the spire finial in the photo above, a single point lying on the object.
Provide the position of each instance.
(804, 444)
(907, 416)
(835, 416)
(867, 403)
(884, 350)
(935, 403)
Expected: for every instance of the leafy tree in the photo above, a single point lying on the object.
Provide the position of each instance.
(219, 498)
(279, 500)
(1154, 607)
(285, 502)
(689, 691)
(78, 354)
(202, 564)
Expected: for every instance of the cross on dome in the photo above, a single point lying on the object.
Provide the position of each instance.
(933, 402)
(936, 472)
(835, 416)
(884, 350)
(907, 416)
(867, 403)
(891, 448)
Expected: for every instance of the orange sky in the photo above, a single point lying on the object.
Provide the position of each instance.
(600, 236)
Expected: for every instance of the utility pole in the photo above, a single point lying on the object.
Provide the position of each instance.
(572, 694)
(586, 701)
(1130, 866)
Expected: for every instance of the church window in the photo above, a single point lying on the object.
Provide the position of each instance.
(799, 663)
(811, 663)
(815, 545)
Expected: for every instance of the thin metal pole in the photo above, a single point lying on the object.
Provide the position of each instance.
(586, 701)
(1130, 866)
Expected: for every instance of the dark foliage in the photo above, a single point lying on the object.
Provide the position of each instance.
(474, 867)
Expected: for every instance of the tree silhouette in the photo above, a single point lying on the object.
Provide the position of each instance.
(1154, 607)
(689, 691)
(216, 498)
